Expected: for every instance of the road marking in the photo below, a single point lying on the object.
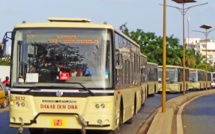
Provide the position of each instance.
(179, 115)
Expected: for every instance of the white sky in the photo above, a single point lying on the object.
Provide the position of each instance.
(138, 14)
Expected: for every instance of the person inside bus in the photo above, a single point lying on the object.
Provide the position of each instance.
(87, 72)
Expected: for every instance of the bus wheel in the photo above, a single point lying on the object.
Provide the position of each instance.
(121, 114)
(142, 99)
(181, 89)
(147, 92)
(36, 130)
(155, 89)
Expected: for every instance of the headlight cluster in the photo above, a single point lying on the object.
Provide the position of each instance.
(19, 119)
(102, 105)
(18, 103)
(104, 121)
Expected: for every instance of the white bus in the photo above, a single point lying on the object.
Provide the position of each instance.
(73, 74)
(152, 78)
(174, 78)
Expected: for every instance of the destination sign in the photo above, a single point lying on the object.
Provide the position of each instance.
(192, 71)
(63, 38)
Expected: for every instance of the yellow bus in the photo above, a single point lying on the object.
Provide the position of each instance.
(174, 78)
(143, 62)
(213, 75)
(209, 79)
(202, 78)
(152, 78)
(194, 81)
(69, 73)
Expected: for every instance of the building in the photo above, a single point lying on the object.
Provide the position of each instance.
(199, 45)
(4, 71)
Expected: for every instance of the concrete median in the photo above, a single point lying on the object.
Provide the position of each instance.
(162, 122)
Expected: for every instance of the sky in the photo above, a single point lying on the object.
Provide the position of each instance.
(146, 15)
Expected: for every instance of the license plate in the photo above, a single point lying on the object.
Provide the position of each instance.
(58, 123)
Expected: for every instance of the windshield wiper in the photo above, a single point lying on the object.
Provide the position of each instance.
(32, 88)
(39, 88)
(86, 89)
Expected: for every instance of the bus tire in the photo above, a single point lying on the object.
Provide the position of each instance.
(154, 90)
(36, 130)
(142, 100)
(147, 92)
(181, 89)
(121, 113)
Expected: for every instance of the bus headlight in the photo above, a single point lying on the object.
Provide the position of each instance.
(17, 104)
(99, 121)
(103, 105)
(23, 104)
(20, 119)
(11, 103)
(97, 106)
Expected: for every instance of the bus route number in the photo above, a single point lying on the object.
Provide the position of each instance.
(20, 98)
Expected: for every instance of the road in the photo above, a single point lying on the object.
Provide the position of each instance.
(151, 104)
(198, 116)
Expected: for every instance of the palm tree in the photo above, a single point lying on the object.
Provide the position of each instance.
(199, 60)
(190, 58)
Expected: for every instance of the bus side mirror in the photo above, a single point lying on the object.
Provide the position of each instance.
(3, 44)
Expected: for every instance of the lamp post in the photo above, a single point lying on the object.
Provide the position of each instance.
(183, 11)
(206, 27)
(164, 60)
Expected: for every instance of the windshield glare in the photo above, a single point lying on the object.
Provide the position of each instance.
(56, 56)
(193, 75)
(171, 75)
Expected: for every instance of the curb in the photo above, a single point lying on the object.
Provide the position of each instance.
(162, 122)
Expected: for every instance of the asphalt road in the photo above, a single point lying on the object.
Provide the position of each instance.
(151, 104)
(198, 116)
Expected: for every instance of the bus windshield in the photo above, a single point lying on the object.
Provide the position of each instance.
(50, 57)
(171, 75)
(193, 75)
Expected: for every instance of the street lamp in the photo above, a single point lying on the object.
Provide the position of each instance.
(164, 60)
(206, 27)
(183, 11)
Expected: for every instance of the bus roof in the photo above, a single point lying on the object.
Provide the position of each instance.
(196, 69)
(64, 23)
(152, 63)
(141, 54)
(71, 23)
(173, 66)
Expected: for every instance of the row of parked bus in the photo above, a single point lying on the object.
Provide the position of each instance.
(195, 79)
(49, 86)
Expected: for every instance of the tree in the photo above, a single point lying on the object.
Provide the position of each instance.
(151, 46)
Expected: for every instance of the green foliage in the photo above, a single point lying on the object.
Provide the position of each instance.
(152, 46)
(5, 60)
